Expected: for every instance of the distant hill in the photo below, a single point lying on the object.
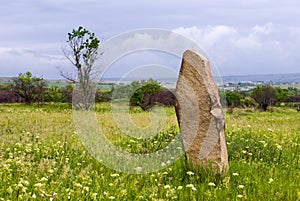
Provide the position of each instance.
(274, 78)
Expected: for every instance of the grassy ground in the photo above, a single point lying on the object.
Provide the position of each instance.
(42, 158)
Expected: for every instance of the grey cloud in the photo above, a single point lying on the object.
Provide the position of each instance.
(263, 49)
(41, 26)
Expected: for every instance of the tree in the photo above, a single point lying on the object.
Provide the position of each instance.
(281, 94)
(141, 92)
(82, 52)
(233, 98)
(264, 96)
(30, 88)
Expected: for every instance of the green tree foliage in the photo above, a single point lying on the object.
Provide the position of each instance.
(4, 87)
(103, 95)
(141, 89)
(82, 53)
(264, 96)
(30, 88)
(281, 94)
(67, 93)
(53, 94)
(292, 91)
(249, 102)
(233, 98)
(59, 94)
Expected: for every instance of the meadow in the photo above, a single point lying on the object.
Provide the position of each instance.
(42, 158)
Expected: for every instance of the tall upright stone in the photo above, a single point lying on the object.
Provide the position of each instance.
(200, 115)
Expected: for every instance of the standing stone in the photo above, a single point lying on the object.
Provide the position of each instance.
(200, 115)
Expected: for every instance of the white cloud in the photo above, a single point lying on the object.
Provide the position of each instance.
(265, 29)
(211, 36)
(265, 48)
(22, 60)
(208, 36)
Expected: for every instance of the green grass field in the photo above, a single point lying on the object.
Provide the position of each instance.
(41, 158)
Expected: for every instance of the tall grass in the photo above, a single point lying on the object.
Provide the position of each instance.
(42, 158)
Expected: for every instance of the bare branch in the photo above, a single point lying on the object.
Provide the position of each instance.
(67, 76)
(68, 57)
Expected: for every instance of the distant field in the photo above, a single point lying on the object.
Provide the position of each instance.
(41, 157)
(285, 86)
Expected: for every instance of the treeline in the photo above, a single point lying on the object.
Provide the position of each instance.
(145, 94)
(28, 89)
(261, 97)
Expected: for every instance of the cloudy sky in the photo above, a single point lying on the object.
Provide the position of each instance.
(240, 36)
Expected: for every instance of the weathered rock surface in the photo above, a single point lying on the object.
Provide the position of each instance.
(200, 115)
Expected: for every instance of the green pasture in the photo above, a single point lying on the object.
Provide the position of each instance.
(42, 158)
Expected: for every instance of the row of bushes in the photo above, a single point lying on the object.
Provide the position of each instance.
(142, 94)
(139, 93)
(262, 96)
(51, 94)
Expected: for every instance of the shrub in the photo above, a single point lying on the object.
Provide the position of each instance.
(142, 91)
(233, 98)
(67, 93)
(103, 96)
(54, 94)
(281, 94)
(293, 99)
(163, 97)
(264, 96)
(30, 88)
(249, 102)
(7, 96)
